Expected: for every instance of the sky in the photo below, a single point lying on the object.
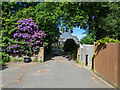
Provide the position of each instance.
(78, 32)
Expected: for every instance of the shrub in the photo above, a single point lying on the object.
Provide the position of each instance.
(17, 60)
(34, 60)
(70, 46)
(87, 40)
(26, 38)
(106, 40)
(5, 58)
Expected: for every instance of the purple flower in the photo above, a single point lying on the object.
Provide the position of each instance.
(23, 23)
(37, 46)
(32, 33)
(3, 50)
(26, 23)
(14, 35)
(19, 26)
(17, 51)
(13, 45)
(31, 28)
(30, 39)
(19, 21)
(10, 47)
(37, 41)
(14, 51)
(30, 19)
(39, 36)
(26, 19)
(36, 26)
(30, 24)
(33, 48)
(28, 27)
(33, 36)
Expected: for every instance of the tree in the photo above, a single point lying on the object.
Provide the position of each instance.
(69, 45)
(111, 24)
(89, 39)
(47, 21)
(100, 19)
(94, 17)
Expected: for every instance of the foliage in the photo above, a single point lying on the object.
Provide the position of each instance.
(12, 7)
(94, 17)
(77, 61)
(87, 40)
(41, 61)
(39, 14)
(93, 56)
(47, 19)
(5, 58)
(16, 60)
(27, 38)
(34, 60)
(70, 46)
(111, 24)
(107, 40)
(81, 64)
(100, 19)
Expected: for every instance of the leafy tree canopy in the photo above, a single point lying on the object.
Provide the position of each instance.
(89, 39)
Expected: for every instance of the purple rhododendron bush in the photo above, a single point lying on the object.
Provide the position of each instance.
(28, 38)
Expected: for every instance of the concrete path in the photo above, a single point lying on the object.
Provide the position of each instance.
(56, 73)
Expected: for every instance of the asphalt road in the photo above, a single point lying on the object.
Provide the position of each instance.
(56, 73)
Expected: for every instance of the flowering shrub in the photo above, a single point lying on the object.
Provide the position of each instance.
(28, 38)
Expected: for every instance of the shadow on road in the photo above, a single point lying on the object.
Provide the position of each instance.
(58, 52)
(3, 67)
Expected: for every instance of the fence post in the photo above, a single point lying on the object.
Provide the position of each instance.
(41, 55)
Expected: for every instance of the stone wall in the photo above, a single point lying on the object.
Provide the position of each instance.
(39, 57)
(85, 53)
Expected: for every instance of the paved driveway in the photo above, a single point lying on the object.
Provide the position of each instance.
(56, 73)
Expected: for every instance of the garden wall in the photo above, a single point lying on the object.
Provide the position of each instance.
(39, 57)
(85, 54)
(107, 62)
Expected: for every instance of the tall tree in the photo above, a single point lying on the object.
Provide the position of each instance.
(111, 24)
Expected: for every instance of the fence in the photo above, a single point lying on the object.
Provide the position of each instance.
(85, 53)
(107, 62)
